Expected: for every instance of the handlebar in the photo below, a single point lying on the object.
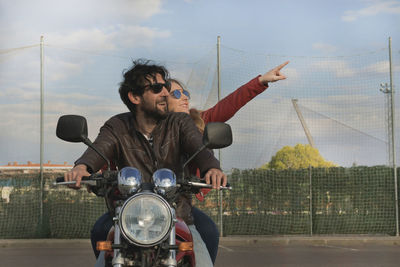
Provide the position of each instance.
(88, 180)
(92, 180)
(204, 185)
(60, 179)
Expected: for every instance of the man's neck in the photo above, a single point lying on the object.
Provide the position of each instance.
(145, 124)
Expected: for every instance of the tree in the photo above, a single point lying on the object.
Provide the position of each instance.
(297, 157)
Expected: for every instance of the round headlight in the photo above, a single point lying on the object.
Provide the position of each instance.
(145, 219)
(164, 181)
(129, 180)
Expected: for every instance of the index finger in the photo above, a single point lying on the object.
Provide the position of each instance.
(225, 179)
(282, 65)
(78, 181)
(207, 177)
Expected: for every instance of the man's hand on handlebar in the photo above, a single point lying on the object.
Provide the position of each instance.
(216, 177)
(76, 174)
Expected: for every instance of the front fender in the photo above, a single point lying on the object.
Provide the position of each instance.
(183, 235)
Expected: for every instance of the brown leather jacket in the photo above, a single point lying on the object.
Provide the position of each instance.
(174, 139)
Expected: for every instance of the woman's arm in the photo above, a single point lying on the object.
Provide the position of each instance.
(227, 107)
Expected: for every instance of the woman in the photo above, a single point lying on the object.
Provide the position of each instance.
(221, 112)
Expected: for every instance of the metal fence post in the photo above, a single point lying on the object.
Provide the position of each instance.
(41, 133)
(220, 196)
(311, 199)
(393, 148)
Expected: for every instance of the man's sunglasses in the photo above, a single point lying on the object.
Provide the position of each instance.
(156, 88)
(177, 93)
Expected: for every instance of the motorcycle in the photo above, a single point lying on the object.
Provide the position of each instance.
(146, 231)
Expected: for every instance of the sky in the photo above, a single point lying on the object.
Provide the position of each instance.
(88, 44)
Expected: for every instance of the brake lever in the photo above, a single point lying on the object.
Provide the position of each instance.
(203, 185)
(87, 182)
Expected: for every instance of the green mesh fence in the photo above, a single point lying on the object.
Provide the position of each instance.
(71, 213)
(358, 200)
(20, 206)
(339, 98)
(65, 213)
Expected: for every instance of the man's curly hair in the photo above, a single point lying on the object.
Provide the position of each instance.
(137, 77)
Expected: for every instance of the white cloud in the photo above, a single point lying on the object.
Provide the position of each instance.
(326, 48)
(88, 11)
(109, 38)
(17, 93)
(291, 74)
(381, 67)
(22, 74)
(340, 68)
(59, 70)
(343, 118)
(142, 9)
(135, 36)
(378, 67)
(81, 24)
(21, 118)
(83, 38)
(374, 8)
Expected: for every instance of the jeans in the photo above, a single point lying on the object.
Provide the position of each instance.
(200, 250)
(100, 230)
(100, 262)
(208, 231)
(203, 223)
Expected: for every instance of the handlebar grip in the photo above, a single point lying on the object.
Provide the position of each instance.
(61, 179)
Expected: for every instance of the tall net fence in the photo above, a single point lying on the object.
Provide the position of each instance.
(65, 213)
(356, 200)
(339, 99)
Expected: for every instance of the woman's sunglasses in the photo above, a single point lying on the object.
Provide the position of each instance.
(177, 93)
(156, 88)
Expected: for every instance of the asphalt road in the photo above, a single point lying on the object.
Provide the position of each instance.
(309, 255)
(70, 254)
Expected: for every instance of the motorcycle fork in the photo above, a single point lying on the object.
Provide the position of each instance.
(117, 261)
(171, 260)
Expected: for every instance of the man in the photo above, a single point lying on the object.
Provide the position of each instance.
(150, 138)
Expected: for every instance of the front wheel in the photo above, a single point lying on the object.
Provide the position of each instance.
(185, 262)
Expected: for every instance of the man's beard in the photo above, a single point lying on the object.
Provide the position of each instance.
(154, 112)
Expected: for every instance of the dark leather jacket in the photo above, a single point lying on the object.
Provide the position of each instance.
(174, 139)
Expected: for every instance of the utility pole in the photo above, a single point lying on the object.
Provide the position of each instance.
(385, 88)
(303, 123)
(388, 89)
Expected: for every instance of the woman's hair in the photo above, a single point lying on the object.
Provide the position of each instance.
(194, 113)
(177, 82)
(198, 120)
(136, 78)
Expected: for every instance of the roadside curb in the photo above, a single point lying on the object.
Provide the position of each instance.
(45, 243)
(225, 241)
(309, 240)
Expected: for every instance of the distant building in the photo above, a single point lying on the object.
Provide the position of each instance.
(14, 167)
